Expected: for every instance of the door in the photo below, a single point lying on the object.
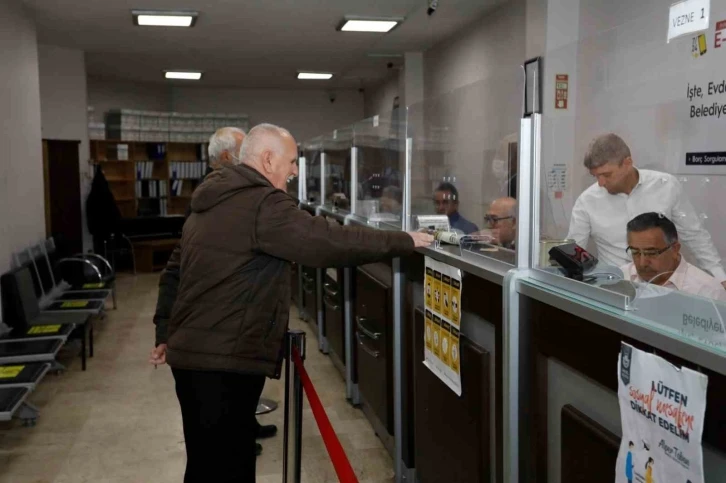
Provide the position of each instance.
(63, 194)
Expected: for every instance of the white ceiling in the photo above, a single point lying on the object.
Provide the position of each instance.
(248, 43)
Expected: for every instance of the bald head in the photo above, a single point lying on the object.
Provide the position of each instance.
(224, 146)
(272, 151)
(502, 219)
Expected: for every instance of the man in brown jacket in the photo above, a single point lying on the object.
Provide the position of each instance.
(229, 321)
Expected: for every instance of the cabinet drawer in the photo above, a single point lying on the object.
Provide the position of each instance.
(333, 301)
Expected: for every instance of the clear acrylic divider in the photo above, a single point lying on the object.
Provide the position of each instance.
(633, 136)
(464, 163)
(312, 151)
(380, 145)
(337, 169)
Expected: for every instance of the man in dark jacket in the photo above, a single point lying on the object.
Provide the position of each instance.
(229, 321)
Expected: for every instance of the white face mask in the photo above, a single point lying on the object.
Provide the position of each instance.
(499, 168)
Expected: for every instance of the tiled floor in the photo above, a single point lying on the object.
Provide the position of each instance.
(119, 421)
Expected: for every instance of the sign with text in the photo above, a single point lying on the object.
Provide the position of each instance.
(687, 17)
(720, 37)
(442, 295)
(561, 89)
(662, 410)
(706, 159)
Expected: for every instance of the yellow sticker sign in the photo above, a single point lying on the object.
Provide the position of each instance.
(446, 291)
(456, 302)
(455, 348)
(429, 328)
(437, 291)
(437, 336)
(10, 372)
(446, 343)
(44, 329)
(93, 285)
(429, 288)
(74, 304)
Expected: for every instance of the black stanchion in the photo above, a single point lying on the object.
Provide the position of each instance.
(292, 457)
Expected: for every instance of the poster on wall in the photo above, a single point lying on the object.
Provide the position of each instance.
(662, 409)
(442, 295)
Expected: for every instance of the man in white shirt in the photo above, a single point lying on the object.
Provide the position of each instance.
(623, 192)
(653, 244)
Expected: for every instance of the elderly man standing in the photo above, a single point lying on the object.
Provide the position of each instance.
(224, 148)
(623, 192)
(229, 322)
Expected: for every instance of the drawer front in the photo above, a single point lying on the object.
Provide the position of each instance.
(374, 349)
(374, 380)
(310, 300)
(333, 301)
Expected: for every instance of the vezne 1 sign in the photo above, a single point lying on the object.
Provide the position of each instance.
(687, 17)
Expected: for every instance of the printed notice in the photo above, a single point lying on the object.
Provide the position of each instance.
(443, 322)
(662, 408)
(687, 17)
(707, 100)
(706, 159)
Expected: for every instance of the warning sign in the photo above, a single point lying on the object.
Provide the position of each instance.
(561, 88)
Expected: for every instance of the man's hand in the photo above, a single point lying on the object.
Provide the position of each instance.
(723, 284)
(158, 355)
(421, 239)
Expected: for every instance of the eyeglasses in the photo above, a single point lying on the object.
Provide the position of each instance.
(493, 219)
(650, 253)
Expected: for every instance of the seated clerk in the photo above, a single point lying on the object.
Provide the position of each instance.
(502, 221)
(653, 244)
(446, 202)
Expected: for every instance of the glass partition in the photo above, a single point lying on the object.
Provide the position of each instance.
(634, 162)
(464, 163)
(337, 169)
(380, 162)
(293, 185)
(312, 150)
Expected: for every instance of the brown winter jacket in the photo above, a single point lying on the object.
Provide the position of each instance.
(231, 312)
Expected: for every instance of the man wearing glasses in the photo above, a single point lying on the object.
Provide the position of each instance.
(657, 259)
(502, 222)
(621, 193)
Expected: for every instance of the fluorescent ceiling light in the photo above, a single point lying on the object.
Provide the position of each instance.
(175, 74)
(381, 25)
(154, 18)
(314, 75)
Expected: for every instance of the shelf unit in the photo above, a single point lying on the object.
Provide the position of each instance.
(122, 175)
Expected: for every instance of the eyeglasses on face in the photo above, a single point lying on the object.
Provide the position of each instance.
(493, 219)
(648, 252)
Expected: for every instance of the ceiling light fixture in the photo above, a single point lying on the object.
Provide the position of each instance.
(359, 24)
(159, 18)
(184, 75)
(314, 75)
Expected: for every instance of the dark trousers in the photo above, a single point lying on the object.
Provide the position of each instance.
(218, 412)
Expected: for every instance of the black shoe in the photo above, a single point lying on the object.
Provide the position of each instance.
(258, 449)
(267, 431)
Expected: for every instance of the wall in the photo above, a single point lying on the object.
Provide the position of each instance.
(625, 78)
(104, 95)
(22, 213)
(306, 113)
(379, 98)
(63, 107)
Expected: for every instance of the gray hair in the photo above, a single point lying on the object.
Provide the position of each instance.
(223, 140)
(608, 148)
(261, 137)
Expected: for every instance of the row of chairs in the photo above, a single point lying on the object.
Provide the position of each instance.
(47, 300)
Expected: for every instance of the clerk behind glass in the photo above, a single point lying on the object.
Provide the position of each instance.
(623, 192)
(657, 259)
(502, 221)
(446, 202)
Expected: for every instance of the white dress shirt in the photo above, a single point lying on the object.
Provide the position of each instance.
(604, 217)
(686, 278)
